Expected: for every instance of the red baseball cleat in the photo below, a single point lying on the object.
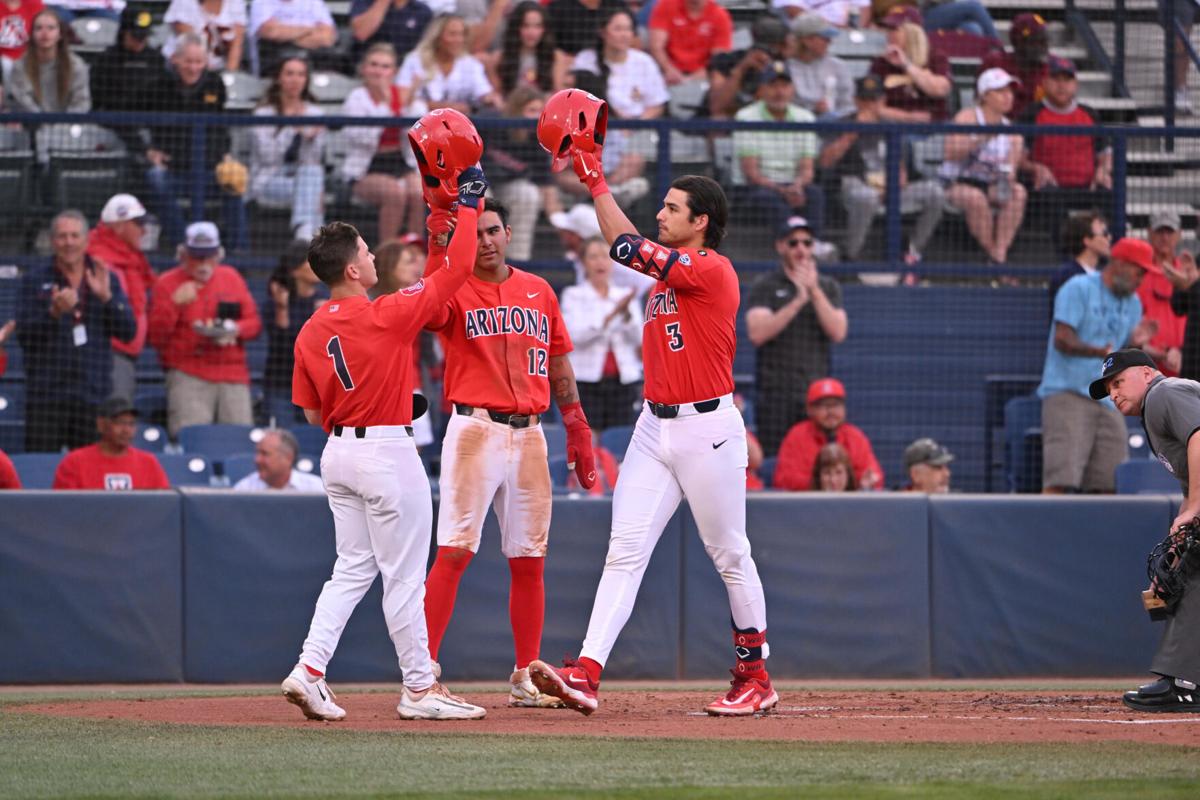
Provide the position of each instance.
(747, 695)
(570, 683)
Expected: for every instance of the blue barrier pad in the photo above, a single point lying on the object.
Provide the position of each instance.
(1042, 586)
(846, 582)
(90, 587)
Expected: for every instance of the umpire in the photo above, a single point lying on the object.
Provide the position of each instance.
(1170, 412)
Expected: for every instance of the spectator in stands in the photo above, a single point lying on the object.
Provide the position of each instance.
(793, 316)
(575, 22)
(928, 466)
(733, 77)
(9, 479)
(112, 464)
(826, 424)
(281, 27)
(48, 77)
(1087, 241)
(399, 23)
(839, 13)
(201, 316)
(982, 168)
(773, 170)
(67, 314)
(1026, 61)
(968, 16)
(286, 167)
(527, 55)
(1068, 172)
(605, 324)
(1185, 299)
(293, 293)
(192, 87)
(915, 77)
(686, 34)
(16, 25)
(860, 161)
(1185, 12)
(1084, 441)
(439, 73)
(377, 165)
(220, 24)
(124, 74)
(117, 242)
(1166, 345)
(822, 82)
(520, 172)
(832, 470)
(275, 466)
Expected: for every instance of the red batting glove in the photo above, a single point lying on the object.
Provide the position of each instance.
(590, 171)
(579, 444)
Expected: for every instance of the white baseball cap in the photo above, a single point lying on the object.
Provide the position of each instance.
(122, 208)
(992, 79)
(581, 219)
(202, 239)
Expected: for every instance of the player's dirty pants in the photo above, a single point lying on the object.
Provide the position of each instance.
(382, 517)
(701, 457)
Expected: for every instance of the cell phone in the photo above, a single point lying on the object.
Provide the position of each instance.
(229, 310)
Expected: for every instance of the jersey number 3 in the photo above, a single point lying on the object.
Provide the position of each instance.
(676, 340)
(334, 348)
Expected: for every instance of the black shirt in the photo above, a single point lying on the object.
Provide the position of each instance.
(206, 96)
(799, 355)
(575, 25)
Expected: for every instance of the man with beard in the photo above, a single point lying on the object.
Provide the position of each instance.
(1026, 61)
(1083, 441)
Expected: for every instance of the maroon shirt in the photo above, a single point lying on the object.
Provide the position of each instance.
(901, 93)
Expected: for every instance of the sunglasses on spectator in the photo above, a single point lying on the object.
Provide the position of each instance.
(1103, 233)
(799, 240)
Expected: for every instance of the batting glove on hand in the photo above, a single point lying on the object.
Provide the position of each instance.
(590, 170)
(579, 444)
(472, 185)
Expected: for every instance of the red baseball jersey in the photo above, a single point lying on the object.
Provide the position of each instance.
(354, 357)
(688, 337)
(90, 468)
(499, 338)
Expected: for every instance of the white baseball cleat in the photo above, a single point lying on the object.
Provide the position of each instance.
(436, 702)
(312, 696)
(525, 695)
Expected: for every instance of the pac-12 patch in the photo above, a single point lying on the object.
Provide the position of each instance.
(685, 259)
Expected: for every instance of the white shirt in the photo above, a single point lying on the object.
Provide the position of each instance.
(270, 144)
(467, 82)
(583, 311)
(361, 141)
(634, 85)
(837, 12)
(213, 29)
(309, 13)
(299, 482)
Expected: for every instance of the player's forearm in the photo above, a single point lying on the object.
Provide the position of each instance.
(562, 381)
(313, 416)
(613, 221)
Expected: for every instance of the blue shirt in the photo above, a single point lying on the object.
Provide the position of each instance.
(401, 27)
(1100, 319)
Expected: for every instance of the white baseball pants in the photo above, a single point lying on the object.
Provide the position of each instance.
(698, 456)
(382, 516)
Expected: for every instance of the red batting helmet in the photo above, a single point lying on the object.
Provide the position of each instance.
(572, 118)
(445, 143)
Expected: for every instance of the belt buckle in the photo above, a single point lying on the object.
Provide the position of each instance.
(518, 420)
(665, 411)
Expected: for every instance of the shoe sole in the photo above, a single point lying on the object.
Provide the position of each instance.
(1171, 708)
(763, 708)
(298, 697)
(546, 701)
(547, 681)
(423, 716)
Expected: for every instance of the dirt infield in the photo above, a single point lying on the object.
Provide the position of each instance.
(983, 716)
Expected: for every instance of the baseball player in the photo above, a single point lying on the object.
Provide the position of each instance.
(353, 376)
(506, 351)
(689, 440)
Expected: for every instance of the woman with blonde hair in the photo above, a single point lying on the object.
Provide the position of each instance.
(916, 80)
(48, 77)
(439, 73)
(832, 471)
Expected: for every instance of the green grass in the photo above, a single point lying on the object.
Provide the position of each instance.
(55, 757)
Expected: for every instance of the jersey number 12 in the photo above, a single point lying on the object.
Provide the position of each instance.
(537, 361)
(334, 348)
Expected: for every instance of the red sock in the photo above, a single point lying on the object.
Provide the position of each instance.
(592, 668)
(441, 587)
(526, 607)
(313, 672)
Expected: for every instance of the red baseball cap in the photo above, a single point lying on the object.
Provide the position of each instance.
(1135, 251)
(826, 387)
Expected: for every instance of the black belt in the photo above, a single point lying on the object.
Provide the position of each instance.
(511, 420)
(360, 432)
(664, 411)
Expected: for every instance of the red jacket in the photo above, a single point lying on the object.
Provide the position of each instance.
(180, 347)
(798, 454)
(8, 473)
(1155, 294)
(133, 270)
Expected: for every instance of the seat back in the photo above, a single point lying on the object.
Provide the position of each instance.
(616, 440)
(1022, 443)
(216, 442)
(84, 180)
(36, 470)
(186, 469)
(311, 438)
(1145, 476)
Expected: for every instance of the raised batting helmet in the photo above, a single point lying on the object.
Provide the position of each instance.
(445, 143)
(572, 118)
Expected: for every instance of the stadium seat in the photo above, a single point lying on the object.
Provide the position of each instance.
(151, 403)
(556, 439)
(1023, 443)
(312, 438)
(84, 180)
(36, 469)
(12, 436)
(186, 469)
(1138, 446)
(219, 441)
(766, 470)
(238, 466)
(558, 472)
(1144, 476)
(242, 90)
(331, 87)
(309, 464)
(16, 175)
(150, 437)
(12, 401)
(616, 440)
(94, 34)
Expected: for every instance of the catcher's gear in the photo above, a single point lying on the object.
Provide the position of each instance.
(445, 143)
(1169, 565)
(572, 120)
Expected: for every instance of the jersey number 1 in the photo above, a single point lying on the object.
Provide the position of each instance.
(334, 348)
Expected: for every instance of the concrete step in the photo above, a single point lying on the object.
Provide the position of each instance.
(1177, 188)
